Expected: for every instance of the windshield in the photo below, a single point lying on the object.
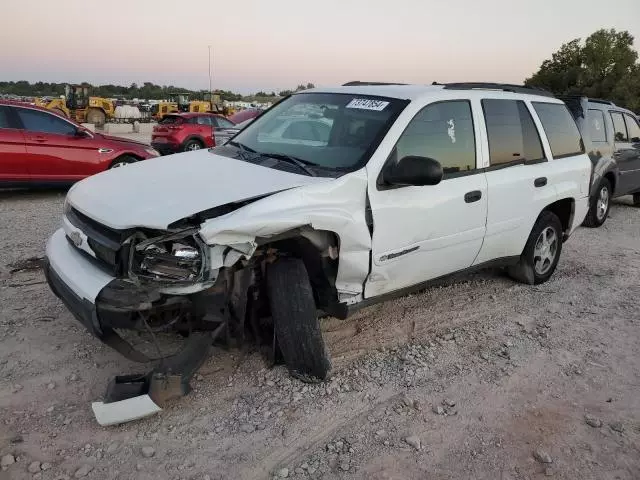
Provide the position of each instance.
(328, 130)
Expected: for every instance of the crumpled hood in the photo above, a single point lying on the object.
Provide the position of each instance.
(157, 192)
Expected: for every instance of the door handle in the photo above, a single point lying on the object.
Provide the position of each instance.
(474, 196)
(540, 182)
(39, 138)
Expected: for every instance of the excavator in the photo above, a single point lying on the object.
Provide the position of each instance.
(80, 106)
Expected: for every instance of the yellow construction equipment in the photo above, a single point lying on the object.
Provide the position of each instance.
(78, 105)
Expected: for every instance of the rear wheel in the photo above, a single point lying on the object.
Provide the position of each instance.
(96, 117)
(122, 161)
(599, 205)
(542, 251)
(636, 199)
(192, 145)
(295, 319)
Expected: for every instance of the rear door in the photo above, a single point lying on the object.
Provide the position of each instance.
(204, 129)
(517, 177)
(633, 152)
(55, 151)
(625, 154)
(13, 151)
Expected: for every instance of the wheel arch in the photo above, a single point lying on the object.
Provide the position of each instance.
(122, 155)
(319, 251)
(564, 209)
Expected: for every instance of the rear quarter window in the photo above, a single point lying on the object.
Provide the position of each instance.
(561, 129)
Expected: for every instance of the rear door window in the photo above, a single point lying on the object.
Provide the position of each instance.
(4, 117)
(597, 127)
(203, 120)
(633, 128)
(43, 122)
(619, 128)
(561, 129)
(513, 137)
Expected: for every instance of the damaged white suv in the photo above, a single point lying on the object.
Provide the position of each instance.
(333, 199)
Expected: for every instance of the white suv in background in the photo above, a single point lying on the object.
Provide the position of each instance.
(377, 190)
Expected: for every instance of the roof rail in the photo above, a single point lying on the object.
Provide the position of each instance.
(358, 83)
(599, 100)
(506, 87)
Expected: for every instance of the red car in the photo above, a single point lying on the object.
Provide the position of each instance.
(38, 146)
(182, 132)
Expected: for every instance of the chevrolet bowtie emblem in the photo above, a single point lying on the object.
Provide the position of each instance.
(76, 238)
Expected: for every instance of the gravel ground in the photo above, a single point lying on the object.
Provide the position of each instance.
(477, 378)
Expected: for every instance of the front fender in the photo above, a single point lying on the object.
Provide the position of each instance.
(337, 206)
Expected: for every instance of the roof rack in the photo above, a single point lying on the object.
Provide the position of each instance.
(506, 87)
(598, 100)
(358, 83)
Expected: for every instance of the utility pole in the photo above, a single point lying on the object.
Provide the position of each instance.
(210, 84)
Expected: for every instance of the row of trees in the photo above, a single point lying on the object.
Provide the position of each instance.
(604, 66)
(146, 90)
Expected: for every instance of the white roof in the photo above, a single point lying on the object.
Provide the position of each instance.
(413, 92)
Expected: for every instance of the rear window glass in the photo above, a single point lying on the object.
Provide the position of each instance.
(513, 136)
(561, 129)
(597, 130)
(171, 120)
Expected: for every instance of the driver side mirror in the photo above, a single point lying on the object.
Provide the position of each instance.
(83, 133)
(414, 170)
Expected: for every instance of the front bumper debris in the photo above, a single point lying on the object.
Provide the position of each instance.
(132, 397)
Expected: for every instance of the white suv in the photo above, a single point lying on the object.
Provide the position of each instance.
(333, 199)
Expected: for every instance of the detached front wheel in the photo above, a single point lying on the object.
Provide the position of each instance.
(295, 320)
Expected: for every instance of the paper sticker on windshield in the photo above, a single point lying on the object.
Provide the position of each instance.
(367, 104)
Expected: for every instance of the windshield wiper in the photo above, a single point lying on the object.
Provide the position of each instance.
(243, 151)
(241, 146)
(298, 162)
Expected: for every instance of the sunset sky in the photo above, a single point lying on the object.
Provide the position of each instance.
(278, 44)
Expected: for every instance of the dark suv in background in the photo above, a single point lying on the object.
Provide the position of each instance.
(612, 135)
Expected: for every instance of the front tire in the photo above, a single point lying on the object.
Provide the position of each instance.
(541, 253)
(636, 200)
(599, 206)
(122, 162)
(295, 320)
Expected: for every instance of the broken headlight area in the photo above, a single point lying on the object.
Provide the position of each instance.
(177, 257)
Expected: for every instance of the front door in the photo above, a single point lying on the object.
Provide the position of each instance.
(424, 232)
(626, 152)
(55, 151)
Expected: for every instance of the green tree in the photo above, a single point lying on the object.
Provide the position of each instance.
(605, 66)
